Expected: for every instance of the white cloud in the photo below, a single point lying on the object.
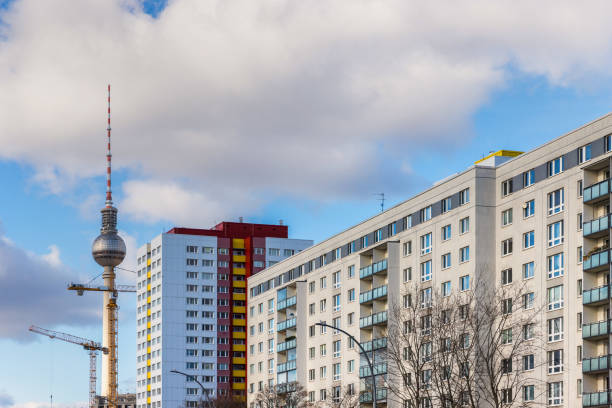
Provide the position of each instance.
(33, 291)
(312, 99)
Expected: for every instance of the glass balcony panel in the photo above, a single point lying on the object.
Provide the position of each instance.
(373, 269)
(595, 295)
(596, 260)
(596, 191)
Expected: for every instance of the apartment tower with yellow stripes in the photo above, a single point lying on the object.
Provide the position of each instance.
(191, 312)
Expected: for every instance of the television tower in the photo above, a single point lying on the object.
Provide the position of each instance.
(108, 250)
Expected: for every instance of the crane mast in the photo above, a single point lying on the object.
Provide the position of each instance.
(91, 346)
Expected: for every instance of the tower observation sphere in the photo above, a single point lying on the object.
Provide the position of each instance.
(108, 249)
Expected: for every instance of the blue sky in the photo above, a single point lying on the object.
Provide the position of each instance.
(304, 129)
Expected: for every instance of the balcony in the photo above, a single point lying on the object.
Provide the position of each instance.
(597, 330)
(597, 261)
(287, 324)
(283, 304)
(375, 344)
(288, 366)
(373, 320)
(596, 228)
(371, 295)
(596, 296)
(596, 192)
(595, 399)
(368, 271)
(379, 369)
(596, 364)
(287, 345)
(366, 397)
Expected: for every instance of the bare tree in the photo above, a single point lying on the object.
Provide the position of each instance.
(291, 395)
(341, 397)
(462, 349)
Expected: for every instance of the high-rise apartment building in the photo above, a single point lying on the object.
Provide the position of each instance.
(538, 220)
(191, 311)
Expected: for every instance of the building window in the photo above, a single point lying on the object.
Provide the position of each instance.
(584, 154)
(528, 239)
(555, 265)
(464, 254)
(555, 233)
(528, 392)
(579, 188)
(556, 201)
(555, 329)
(336, 348)
(555, 361)
(426, 271)
(528, 300)
(506, 276)
(351, 271)
(407, 274)
(507, 306)
(579, 221)
(311, 287)
(464, 283)
(506, 218)
(407, 248)
(350, 295)
(579, 287)
(336, 280)
(323, 282)
(506, 247)
(425, 244)
(506, 187)
(554, 166)
(528, 178)
(446, 288)
(528, 332)
(528, 208)
(446, 205)
(425, 214)
(528, 270)
(555, 297)
(464, 196)
(555, 393)
(506, 336)
(426, 299)
(446, 261)
(336, 302)
(464, 225)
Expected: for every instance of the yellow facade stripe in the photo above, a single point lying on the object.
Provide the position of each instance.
(148, 387)
(148, 337)
(505, 153)
(149, 286)
(149, 262)
(148, 400)
(239, 258)
(239, 373)
(239, 271)
(239, 296)
(148, 312)
(239, 309)
(238, 360)
(238, 347)
(239, 284)
(239, 335)
(238, 322)
(149, 275)
(149, 374)
(238, 243)
(148, 362)
(148, 299)
(149, 350)
(238, 386)
(148, 325)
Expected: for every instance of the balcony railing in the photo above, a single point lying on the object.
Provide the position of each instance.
(375, 344)
(366, 397)
(286, 345)
(595, 295)
(373, 269)
(596, 191)
(283, 304)
(379, 369)
(373, 294)
(288, 366)
(287, 324)
(374, 319)
(597, 329)
(596, 226)
(596, 260)
(594, 399)
(595, 364)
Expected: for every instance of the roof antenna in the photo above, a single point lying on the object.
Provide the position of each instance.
(382, 200)
(109, 195)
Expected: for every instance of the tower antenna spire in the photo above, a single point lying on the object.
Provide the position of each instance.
(109, 194)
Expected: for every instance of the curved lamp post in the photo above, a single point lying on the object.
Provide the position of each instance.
(194, 379)
(372, 375)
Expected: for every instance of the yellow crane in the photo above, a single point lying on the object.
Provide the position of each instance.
(91, 346)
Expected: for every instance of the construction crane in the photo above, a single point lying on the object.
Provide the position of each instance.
(81, 288)
(91, 346)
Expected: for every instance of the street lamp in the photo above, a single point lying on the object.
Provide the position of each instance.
(194, 378)
(372, 375)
